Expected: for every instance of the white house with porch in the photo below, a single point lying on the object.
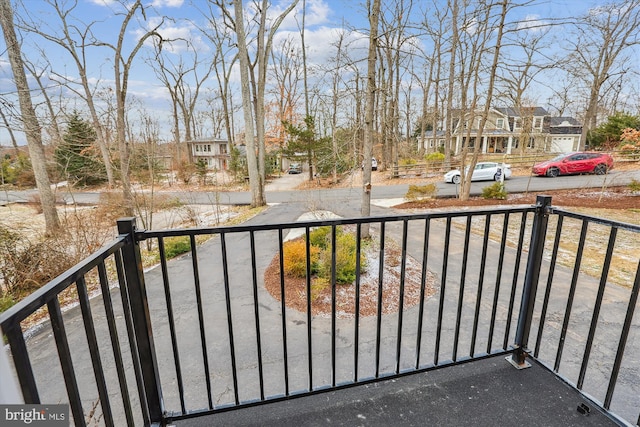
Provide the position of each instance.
(506, 130)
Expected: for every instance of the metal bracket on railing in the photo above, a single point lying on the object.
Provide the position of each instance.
(519, 359)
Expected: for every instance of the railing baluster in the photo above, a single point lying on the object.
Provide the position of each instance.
(309, 316)
(463, 279)
(596, 309)
(256, 311)
(64, 354)
(172, 325)
(622, 343)
(379, 310)
(547, 293)
(115, 342)
(333, 305)
(496, 292)
(514, 282)
(443, 283)
(94, 351)
(283, 311)
(403, 271)
(423, 281)
(227, 298)
(203, 336)
(572, 292)
(356, 334)
(483, 263)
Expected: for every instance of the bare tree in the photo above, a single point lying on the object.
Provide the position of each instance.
(5, 120)
(223, 62)
(253, 100)
(393, 37)
(183, 82)
(30, 122)
(286, 73)
(121, 67)
(601, 37)
(374, 13)
(76, 40)
(499, 24)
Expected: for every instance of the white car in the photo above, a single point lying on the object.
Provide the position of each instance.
(484, 171)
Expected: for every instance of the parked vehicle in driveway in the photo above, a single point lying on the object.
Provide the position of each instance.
(294, 168)
(484, 171)
(575, 163)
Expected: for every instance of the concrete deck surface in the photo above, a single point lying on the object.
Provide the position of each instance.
(488, 392)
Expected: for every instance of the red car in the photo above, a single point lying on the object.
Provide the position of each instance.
(575, 163)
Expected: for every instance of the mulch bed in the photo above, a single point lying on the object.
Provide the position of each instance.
(296, 287)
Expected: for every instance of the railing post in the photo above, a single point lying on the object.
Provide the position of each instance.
(532, 274)
(142, 321)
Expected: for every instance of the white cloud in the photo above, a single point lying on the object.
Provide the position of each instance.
(167, 3)
(532, 23)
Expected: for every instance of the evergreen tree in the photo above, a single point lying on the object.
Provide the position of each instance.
(76, 156)
(303, 141)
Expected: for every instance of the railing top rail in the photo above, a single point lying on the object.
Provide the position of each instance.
(144, 234)
(39, 298)
(602, 221)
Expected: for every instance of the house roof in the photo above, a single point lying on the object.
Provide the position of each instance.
(208, 140)
(563, 122)
(513, 112)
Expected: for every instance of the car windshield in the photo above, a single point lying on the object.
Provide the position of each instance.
(560, 157)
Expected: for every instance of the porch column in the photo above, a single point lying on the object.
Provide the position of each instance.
(484, 143)
(509, 144)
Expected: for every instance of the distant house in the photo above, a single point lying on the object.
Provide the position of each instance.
(508, 130)
(564, 134)
(215, 153)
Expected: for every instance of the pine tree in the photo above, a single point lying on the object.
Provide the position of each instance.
(77, 157)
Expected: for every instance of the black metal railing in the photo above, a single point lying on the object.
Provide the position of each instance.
(221, 327)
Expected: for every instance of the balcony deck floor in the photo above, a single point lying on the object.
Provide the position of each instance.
(487, 392)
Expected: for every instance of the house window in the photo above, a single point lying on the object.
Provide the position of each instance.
(223, 148)
(537, 123)
(500, 124)
(517, 123)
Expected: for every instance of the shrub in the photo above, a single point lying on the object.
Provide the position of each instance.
(434, 157)
(174, 246)
(27, 265)
(295, 258)
(496, 190)
(321, 236)
(634, 185)
(345, 260)
(318, 285)
(419, 192)
(6, 301)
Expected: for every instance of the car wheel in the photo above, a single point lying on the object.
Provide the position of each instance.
(553, 172)
(601, 169)
(456, 179)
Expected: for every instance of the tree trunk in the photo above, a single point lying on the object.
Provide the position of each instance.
(31, 126)
(368, 114)
(257, 195)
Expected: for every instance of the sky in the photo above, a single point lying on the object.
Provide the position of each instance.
(325, 19)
